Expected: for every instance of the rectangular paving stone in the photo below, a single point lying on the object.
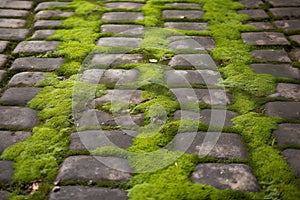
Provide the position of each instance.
(3, 74)
(126, 5)
(196, 26)
(40, 24)
(3, 45)
(86, 192)
(119, 42)
(122, 16)
(295, 54)
(13, 13)
(198, 61)
(255, 13)
(43, 5)
(264, 38)
(280, 3)
(19, 96)
(42, 34)
(182, 14)
(295, 38)
(94, 168)
(3, 60)
(37, 64)
(6, 171)
(16, 34)
(278, 70)
(122, 29)
(12, 23)
(285, 12)
(184, 5)
(283, 109)
(288, 25)
(252, 3)
(18, 117)
(46, 14)
(191, 42)
(287, 134)
(262, 25)
(16, 4)
(28, 79)
(9, 138)
(124, 96)
(273, 55)
(293, 159)
(36, 46)
(289, 91)
(109, 60)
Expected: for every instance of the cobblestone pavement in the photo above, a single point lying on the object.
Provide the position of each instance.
(28, 63)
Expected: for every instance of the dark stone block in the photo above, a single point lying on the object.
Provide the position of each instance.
(125, 5)
(262, 25)
(264, 38)
(182, 14)
(255, 14)
(3, 74)
(191, 42)
(8, 138)
(6, 171)
(12, 23)
(293, 159)
(123, 29)
(119, 42)
(186, 25)
(283, 109)
(110, 60)
(122, 16)
(3, 60)
(271, 55)
(3, 45)
(40, 64)
(184, 5)
(120, 96)
(288, 134)
(17, 34)
(288, 25)
(198, 61)
(36, 46)
(43, 5)
(17, 4)
(252, 3)
(278, 70)
(42, 34)
(280, 3)
(285, 12)
(19, 96)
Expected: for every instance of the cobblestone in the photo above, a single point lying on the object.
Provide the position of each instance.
(19, 96)
(3, 60)
(278, 70)
(194, 42)
(252, 3)
(272, 55)
(6, 171)
(43, 5)
(288, 25)
(36, 47)
(122, 16)
(45, 14)
(182, 14)
(127, 5)
(123, 28)
(17, 34)
(3, 74)
(295, 38)
(198, 61)
(184, 5)
(255, 14)
(289, 91)
(3, 45)
(46, 24)
(265, 38)
(295, 54)
(30, 63)
(285, 12)
(283, 109)
(12, 23)
(13, 13)
(197, 26)
(287, 134)
(17, 4)
(279, 3)
(110, 60)
(293, 158)
(262, 25)
(42, 34)
(119, 42)
(8, 138)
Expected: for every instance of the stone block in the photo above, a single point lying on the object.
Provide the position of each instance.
(123, 29)
(9, 138)
(13, 13)
(46, 14)
(287, 90)
(119, 42)
(124, 5)
(262, 25)
(295, 38)
(255, 14)
(184, 5)
(287, 134)
(278, 70)
(122, 16)
(17, 34)
(192, 26)
(36, 46)
(38, 64)
(182, 14)
(273, 55)
(42, 24)
(6, 171)
(280, 3)
(293, 159)
(290, 12)
(17, 4)
(3, 60)
(197, 61)
(265, 38)
(44, 5)
(42, 34)
(252, 3)
(19, 96)
(110, 60)
(3, 45)
(26, 79)
(283, 109)
(191, 42)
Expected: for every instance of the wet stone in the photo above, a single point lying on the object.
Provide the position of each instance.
(191, 42)
(3, 59)
(119, 42)
(293, 159)
(17, 4)
(287, 90)
(90, 193)
(94, 168)
(255, 14)
(4, 195)
(186, 25)
(283, 109)
(40, 24)
(39, 64)
(13, 13)
(36, 46)
(198, 61)
(295, 38)
(126, 5)
(42, 34)
(278, 70)
(12, 23)
(3, 45)
(45, 14)
(43, 5)
(295, 54)
(17, 34)
(93, 139)
(120, 96)
(252, 3)
(226, 145)
(262, 25)
(285, 12)
(184, 5)
(110, 60)
(288, 25)
(3, 74)
(287, 134)
(122, 16)
(6, 171)
(182, 14)
(280, 3)
(226, 176)
(115, 76)
(264, 38)
(271, 55)
(122, 29)
(19, 96)
(8, 138)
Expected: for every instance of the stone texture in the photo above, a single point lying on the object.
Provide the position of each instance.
(3, 74)
(252, 3)
(198, 61)
(46, 14)
(120, 96)
(36, 47)
(8, 138)
(94, 168)
(289, 91)
(93, 139)
(265, 38)
(126, 5)
(17, 4)
(90, 193)
(4, 195)
(17, 34)
(41, 24)
(191, 42)
(211, 97)
(43, 5)
(6, 171)
(122, 29)
(31, 63)
(285, 12)
(13, 13)
(184, 5)
(119, 42)
(3, 60)
(280, 3)
(42, 34)
(288, 25)
(271, 55)
(122, 16)
(188, 77)
(295, 54)
(186, 25)
(226, 176)
(3, 45)
(182, 14)
(12, 23)
(283, 109)
(19, 96)
(278, 70)
(115, 76)
(293, 159)
(287, 134)
(28, 79)
(220, 145)
(255, 14)
(110, 60)
(295, 38)
(262, 25)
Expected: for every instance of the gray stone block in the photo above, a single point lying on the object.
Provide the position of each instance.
(3, 45)
(262, 25)
(291, 12)
(41, 24)
(191, 42)
(19, 96)
(288, 25)
(280, 3)
(278, 70)
(255, 14)
(8, 138)
(39, 64)
(184, 5)
(122, 29)
(193, 26)
(122, 16)
(3, 60)
(46, 14)
(28, 79)
(289, 91)
(295, 54)
(17, 4)
(296, 39)
(43, 5)
(13, 13)
(4, 195)
(119, 42)
(293, 159)
(283, 109)
(36, 46)
(197, 61)
(287, 134)
(272, 55)
(6, 171)
(12, 23)
(17, 34)
(2, 75)
(265, 38)
(110, 60)
(182, 14)
(252, 3)
(124, 5)
(120, 96)
(42, 34)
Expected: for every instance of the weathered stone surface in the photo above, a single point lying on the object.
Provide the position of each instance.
(211, 97)
(2, 74)
(283, 109)
(262, 25)
(226, 176)
(293, 159)
(280, 3)
(123, 28)
(295, 38)
(3, 45)
(6, 171)
(36, 47)
(255, 14)
(45, 14)
(252, 3)
(271, 55)
(4, 195)
(182, 14)
(186, 25)
(40, 24)
(285, 12)
(121, 96)
(17, 4)
(115, 76)
(13, 13)
(126, 5)
(43, 5)
(28, 79)
(122, 16)
(12, 23)
(17, 34)
(287, 134)
(184, 5)
(94, 168)
(191, 42)
(198, 61)
(31, 63)
(42, 34)
(295, 54)
(265, 38)
(90, 193)
(220, 145)
(279, 70)
(109, 60)
(286, 90)
(19, 96)
(8, 138)
(288, 25)
(3, 59)
(187, 77)
(93, 139)
(119, 42)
